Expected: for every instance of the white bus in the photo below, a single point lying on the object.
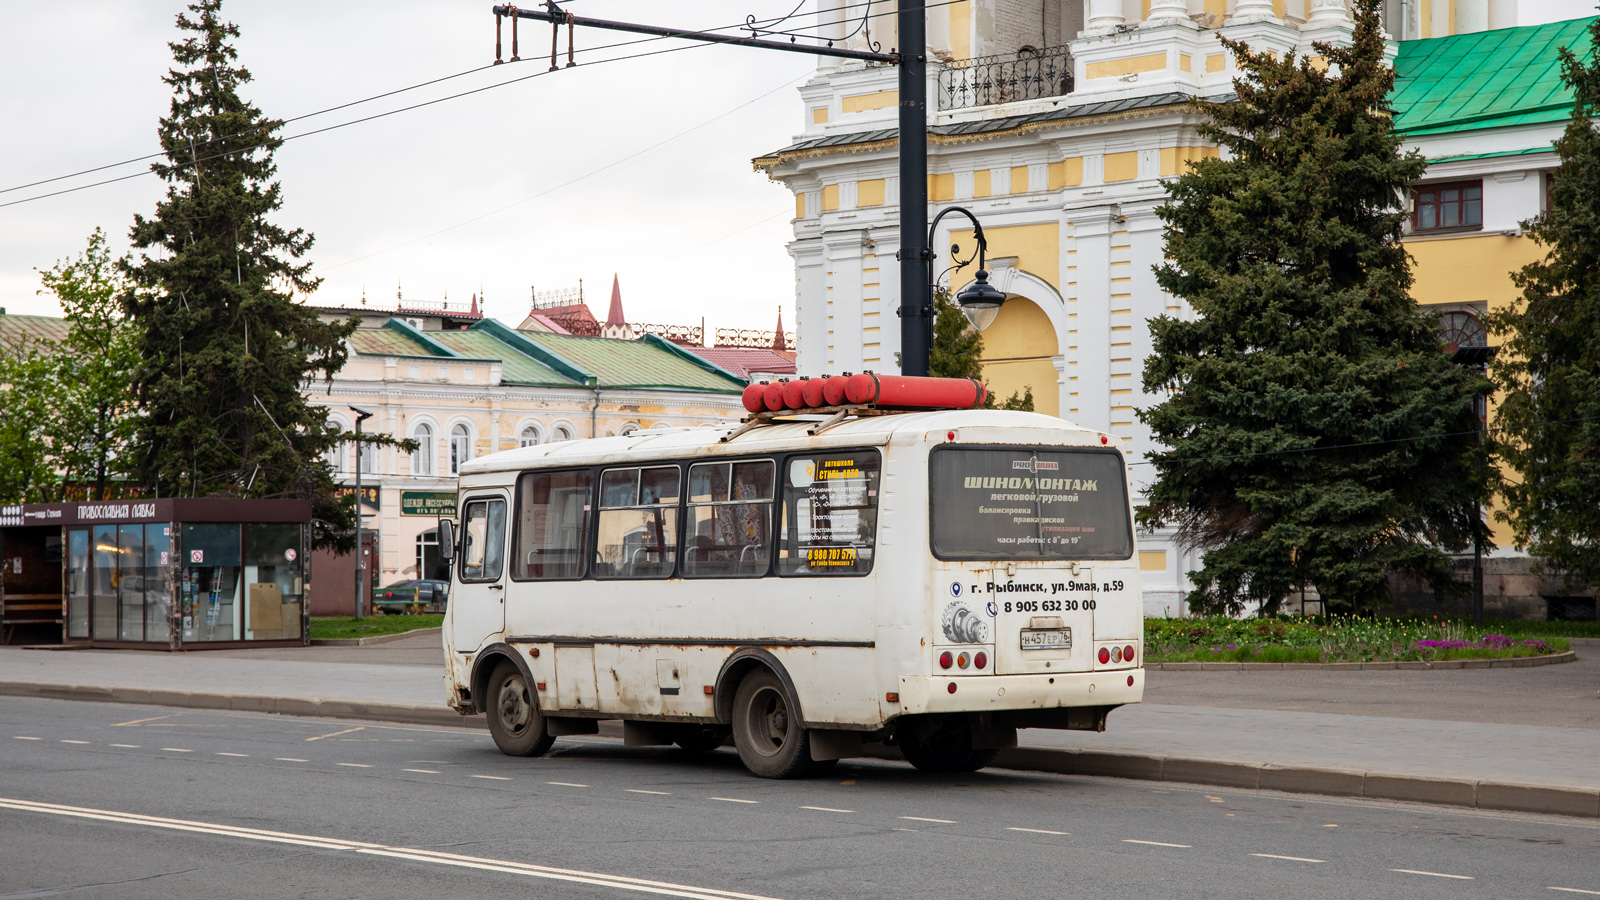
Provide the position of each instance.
(934, 580)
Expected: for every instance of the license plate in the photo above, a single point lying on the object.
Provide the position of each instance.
(1047, 639)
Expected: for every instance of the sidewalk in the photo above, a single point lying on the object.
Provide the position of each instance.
(1206, 734)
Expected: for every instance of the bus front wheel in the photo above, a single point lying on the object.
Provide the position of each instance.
(513, 711)
(767, 731)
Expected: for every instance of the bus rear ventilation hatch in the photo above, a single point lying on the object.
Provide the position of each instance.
(863, 394)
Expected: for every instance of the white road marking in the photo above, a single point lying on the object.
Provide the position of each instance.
(492, 777)
(140, 721)
(733, 800)
(827, 809)
(1434, 874)
(246, 755)
(176, 750)
(337, 733)
(423, 771)
(22, 738)
(289, 759)
(657, 793)
(127, 746)
(579, 876)
(1573, 890)
(1289, 858)
(74, 742)
(565, 784)
(921, 819)
(1157, 844)
(354, 765)
(1038, 831)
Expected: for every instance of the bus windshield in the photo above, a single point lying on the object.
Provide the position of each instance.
(1028, 503)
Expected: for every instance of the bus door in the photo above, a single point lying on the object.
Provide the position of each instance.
(1044, 617)
(478, 599)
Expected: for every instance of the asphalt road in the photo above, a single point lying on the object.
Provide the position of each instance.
(131, 802)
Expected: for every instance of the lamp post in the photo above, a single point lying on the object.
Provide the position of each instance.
(1477, 358)
(361, 416)
(980, 301)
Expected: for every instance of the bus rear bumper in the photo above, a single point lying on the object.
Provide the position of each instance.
(985, 693)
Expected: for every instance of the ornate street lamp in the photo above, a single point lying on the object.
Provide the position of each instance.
(980, 301)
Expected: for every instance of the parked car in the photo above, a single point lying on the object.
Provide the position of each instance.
(413, 595)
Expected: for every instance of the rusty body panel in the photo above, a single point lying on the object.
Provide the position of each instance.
(856, 651)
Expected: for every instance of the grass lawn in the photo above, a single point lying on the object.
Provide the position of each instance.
(329, 627)
(1290, 639)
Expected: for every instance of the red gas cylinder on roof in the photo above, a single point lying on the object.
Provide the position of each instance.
(794, 394)
(814, 391)
(772, 397)
(833, 390)
(916, 392)
(753, 398)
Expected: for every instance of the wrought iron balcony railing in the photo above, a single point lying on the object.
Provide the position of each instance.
(987, 80)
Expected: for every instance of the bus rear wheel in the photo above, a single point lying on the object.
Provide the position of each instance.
(943, 751)
(767, 731)
(515, 722)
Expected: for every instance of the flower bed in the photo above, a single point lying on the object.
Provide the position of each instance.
(1339, 639)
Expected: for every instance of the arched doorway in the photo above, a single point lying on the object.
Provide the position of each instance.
(1018, 352)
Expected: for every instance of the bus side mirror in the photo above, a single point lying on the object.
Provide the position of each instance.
(447, 541)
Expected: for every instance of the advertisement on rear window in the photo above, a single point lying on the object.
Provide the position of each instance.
(1029, 504)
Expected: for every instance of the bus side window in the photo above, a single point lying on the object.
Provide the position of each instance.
(638, 525)
(830, 514)
(483, 536)
(729, 533)
(552, 525)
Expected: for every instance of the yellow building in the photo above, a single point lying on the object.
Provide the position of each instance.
(1057, 124)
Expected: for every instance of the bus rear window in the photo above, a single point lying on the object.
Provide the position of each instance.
(1027, 503)
(830, 514)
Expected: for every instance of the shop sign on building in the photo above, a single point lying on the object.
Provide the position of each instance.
(434, 504)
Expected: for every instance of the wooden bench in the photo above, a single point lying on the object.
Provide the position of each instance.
(28, 609)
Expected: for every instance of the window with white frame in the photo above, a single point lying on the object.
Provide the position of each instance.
(628, 428)
(367, 458)
(529, 436)
(422, 457)
(561, 433)
(460, 447)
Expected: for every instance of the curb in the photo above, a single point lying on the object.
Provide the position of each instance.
(288, 706)
(375, 639)
(1514, 662)
(1473, 794)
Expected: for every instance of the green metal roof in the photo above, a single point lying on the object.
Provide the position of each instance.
(635, 364)
(1488, 79)
(387, 342)
(515, 368)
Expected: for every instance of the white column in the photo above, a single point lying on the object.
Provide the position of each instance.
(1104, 16)
(1259, 11)
(1326, 12)
(1168, 12)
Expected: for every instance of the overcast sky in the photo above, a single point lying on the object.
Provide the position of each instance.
(494, 191)
(420, 198)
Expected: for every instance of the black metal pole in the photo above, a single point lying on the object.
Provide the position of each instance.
(915, 294)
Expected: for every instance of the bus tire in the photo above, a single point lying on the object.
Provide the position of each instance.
(699, 738)
(944, 752)
(767, 731)
(515, 722)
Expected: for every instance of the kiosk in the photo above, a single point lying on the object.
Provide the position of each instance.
(176, 574)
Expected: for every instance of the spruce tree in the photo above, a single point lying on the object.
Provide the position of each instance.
(1314, 431)
(1548, 367)
(227, 353)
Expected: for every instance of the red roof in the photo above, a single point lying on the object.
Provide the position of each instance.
(744, 360)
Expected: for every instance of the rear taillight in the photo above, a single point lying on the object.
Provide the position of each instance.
(1127, 653)
(1105, 655)
(1116, 654)
(963, 661)
(945, 660)
(981, 660)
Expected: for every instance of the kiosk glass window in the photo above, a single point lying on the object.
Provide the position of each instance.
(273, 589)
(104, 582)
(211, 588)
(78, 583)
(157, 585)
(130, 582)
